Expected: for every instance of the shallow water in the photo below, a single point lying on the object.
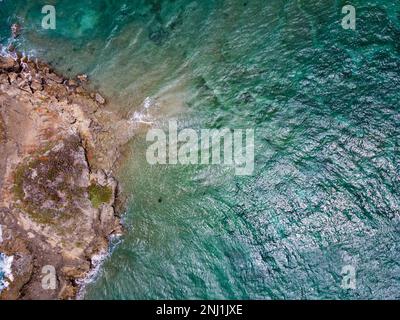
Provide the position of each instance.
(324, 103)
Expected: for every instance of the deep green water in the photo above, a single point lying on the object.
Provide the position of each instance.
(324, 103)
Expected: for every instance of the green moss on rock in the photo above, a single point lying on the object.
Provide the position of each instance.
(2, 130)
(99, 194)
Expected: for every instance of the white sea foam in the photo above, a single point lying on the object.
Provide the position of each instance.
(97, 262)
(6, 275)
(143, 116)
(30, 54)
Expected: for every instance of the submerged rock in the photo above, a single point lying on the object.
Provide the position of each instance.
(15, 30)
(100, 99)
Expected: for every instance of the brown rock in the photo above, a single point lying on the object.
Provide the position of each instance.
(11, 47)
(67, 292)
(74, 272)
(36, 85)
(118, 230)
(8, 64)
(23, 83)
(3, 78)
(106, 215)
(100, 99)
(53, 210)
(55, 78)
(80, 90)
(82, 77)
(72, 83)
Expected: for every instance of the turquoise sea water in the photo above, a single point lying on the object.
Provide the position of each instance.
(324, 103)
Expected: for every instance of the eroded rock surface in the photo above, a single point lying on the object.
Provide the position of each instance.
(58, 197)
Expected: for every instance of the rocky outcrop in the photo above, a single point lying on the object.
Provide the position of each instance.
(58, 197)
(8, 64)
(16, 30)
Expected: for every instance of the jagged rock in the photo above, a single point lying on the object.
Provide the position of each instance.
(106, 215)
(11, 47)
(68, 291)
(8, 64)
(55, 78)
(58, 213)
(36, 85)
(82, 77)
(100, 99)
(23, 83)
(76, 273)
(3, 78)
(100, 177)
(15, 30)
(118, 230)
(70, 118)
(80, 90)
(12, 77)
(72, 83)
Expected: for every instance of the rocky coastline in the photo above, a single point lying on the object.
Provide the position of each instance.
(59, 199)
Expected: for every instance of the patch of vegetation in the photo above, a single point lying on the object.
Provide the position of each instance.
(40, 216)
(99, 194)
(45, 186)
(19, 181)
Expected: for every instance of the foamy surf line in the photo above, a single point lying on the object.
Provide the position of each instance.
(97, 262)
